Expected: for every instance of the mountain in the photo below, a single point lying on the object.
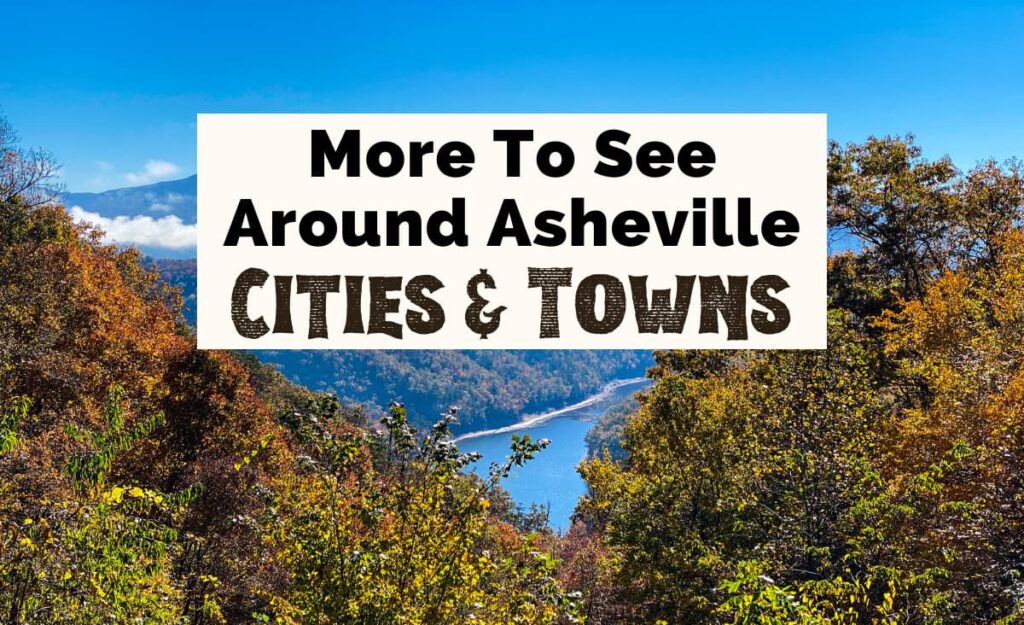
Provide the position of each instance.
(172, 197)
(157, 218)
(181, 273)
(492, 388)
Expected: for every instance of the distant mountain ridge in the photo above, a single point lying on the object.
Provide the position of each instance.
(170, 197)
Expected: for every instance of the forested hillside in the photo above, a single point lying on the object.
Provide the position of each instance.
(145, 481)
(493, 387)
(605, 438)
(878, 481)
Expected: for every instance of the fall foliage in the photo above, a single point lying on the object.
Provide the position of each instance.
(878, 481)
(146, 481)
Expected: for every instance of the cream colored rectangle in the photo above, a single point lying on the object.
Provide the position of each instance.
(777, 161)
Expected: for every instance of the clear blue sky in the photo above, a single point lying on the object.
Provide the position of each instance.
(109, 87)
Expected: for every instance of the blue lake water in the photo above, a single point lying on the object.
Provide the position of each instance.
(550, 478)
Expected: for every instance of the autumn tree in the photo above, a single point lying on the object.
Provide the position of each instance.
(26, 175)
(385, 529)
(874, 482)
(144, 480)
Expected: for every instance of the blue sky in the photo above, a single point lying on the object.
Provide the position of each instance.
(113, 89)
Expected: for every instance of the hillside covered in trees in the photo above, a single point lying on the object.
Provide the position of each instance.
(144, 481)
(493, 387)
(878, 481)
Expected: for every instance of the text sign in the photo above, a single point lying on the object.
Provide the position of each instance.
(511, 231)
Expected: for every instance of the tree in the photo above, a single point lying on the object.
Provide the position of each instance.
(408, 539)
(876, 481)
(25, 175)
(960, 347)
(210, 490)
(104, 554)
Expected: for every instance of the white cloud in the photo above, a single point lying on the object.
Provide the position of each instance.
(166, 232)
(107, 176)
(152, 171)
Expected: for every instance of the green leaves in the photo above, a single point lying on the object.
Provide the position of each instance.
(101, 557)
(87, 469)
(523, 449)
(10, 420)
(409, 538)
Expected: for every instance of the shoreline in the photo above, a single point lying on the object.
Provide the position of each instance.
(533, 420)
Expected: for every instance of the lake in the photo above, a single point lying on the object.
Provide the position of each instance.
(550, 478)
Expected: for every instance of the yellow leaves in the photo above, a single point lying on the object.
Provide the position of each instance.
(942, 318)
(98, 588)
(117, 494)
(249, 457)
(961, 342)
(114, 495)
(419, 548)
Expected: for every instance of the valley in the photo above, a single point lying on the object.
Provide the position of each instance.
(492, 388)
